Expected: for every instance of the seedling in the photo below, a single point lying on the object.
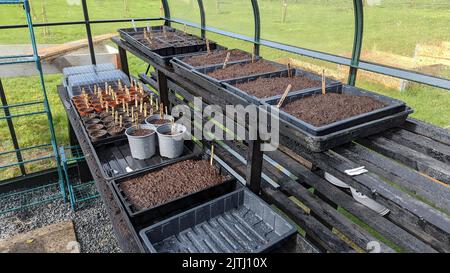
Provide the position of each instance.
(289, 70)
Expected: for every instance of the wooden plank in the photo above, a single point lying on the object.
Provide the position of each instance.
(50, 53)
(428, 130)
(298, 244)
(382, 225)
(329, 214)
(417, 217)
(416, 160)
(55, 238)
(428, 146)
(314, 228)
(398, 174)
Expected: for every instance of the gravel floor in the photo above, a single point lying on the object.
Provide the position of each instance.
(92, 226)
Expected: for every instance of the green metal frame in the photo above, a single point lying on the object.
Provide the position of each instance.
(26, 109)
(78, 192)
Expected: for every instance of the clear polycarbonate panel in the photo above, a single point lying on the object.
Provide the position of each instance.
(322, 25)
(430, 104)
(185, 9)
(122, 9)
(230, 15)
(413, 35)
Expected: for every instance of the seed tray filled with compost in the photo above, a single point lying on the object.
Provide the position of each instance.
(239, 222)
(172, 42)
(216, 57)
(212, 76)
(166, 191)
(106, 113)
(269, 87)
(320, 114)
(117, 162)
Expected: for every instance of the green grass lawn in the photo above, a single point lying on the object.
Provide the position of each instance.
(395, 27)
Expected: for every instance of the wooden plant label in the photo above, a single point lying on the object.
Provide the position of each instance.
(323, 82)
(211, 160)
(227, 59)
(208, 48)
(286, 92)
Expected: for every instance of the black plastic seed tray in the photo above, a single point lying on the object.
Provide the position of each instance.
(149, 216)
(239, 222)
(323, 143)
(393, 106)
(181, 61)
(160, 56)
(116, 161)
(331, 85)
(200, 77)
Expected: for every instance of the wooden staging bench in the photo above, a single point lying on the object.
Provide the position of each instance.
(409, 173)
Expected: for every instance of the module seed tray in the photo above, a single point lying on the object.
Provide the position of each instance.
(116, 160)
(200, 77)
(239, 222)
(164, 55)
(392, 106)
(148, 216)
(331, 85)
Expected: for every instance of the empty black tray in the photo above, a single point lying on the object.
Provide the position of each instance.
(393, 106)
(239, 222)
(331, 85)
(149, 216)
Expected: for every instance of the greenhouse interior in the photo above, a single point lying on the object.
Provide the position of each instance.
(225, 126)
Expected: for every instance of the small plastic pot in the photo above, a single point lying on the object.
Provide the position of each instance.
(89, 117)
(153, 120)
(142, 147)
(95, 127)
(98, 135)
(370, 203)
(84, 111)
(92, 121)
(116, 130)
(108, 119)
(171, 141)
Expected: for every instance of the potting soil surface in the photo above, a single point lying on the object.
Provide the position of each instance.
(320, 110)
(171, 182)
(268, 87)
(141, 132)
(242, 70)
(160, 121)
(217, 57)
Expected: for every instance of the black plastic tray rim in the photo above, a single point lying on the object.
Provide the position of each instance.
(242, 190)
(202, 72)
(229, 85)
(393, 106)
(134, 215)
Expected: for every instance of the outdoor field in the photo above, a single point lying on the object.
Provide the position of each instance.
(394, 28)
